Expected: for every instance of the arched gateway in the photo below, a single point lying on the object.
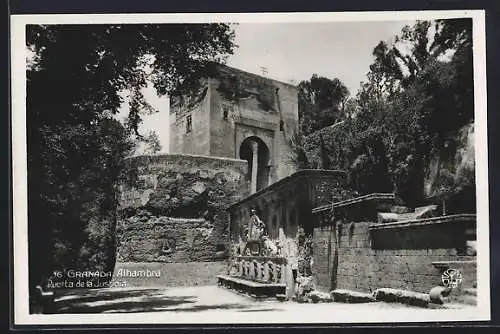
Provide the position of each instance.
(260, 121)
(256, 152)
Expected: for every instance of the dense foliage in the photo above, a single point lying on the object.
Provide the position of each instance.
(408, 119)
(76, 81)
(321, 102)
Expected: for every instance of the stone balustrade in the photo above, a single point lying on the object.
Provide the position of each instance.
(288, 203)
(284, 208)
(258, 276)
(262, 269)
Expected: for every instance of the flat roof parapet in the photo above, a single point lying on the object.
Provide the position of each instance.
(304, 173)
(443, 265)
(459, 218)
(374, 197)
(173, 156)
(236, 71)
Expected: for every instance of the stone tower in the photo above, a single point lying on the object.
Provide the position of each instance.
(239, 115)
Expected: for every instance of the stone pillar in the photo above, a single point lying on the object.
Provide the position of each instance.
(255, 150)
(288, 279)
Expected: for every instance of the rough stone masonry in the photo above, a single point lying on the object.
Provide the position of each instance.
(172, 208)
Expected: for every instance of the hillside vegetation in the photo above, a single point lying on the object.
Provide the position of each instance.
(410, 127)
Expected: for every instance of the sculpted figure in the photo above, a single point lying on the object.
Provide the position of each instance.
(273, 247)
(256, 226)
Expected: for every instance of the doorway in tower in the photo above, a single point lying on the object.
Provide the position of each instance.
(256, 152)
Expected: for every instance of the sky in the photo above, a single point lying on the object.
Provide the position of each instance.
(292, 52)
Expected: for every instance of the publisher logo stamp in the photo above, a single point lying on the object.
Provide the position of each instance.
(452, 278)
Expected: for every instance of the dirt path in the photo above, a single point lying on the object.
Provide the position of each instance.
(209, 304)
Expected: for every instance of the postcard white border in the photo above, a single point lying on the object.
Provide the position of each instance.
(18, 79)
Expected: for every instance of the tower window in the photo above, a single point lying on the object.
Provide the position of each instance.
(189, 124)
(282, 125)
(225, 112)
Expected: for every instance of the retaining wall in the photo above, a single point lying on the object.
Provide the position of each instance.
(355, 253)
(172, 208)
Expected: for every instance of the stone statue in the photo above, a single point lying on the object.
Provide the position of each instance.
(256, 227)
(257, 242)
(273, 247)
(167, 247)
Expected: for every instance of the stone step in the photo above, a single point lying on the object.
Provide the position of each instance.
(250, 283)
(281, 297)
(254, 289)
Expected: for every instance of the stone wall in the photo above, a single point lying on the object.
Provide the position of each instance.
(196, 141)
(406, 265)
(172, 208)
(455, 161)
(289, 110)
(222, 141)
(325, 257)
(146, 238)
(288, 203)
(161, 274)
(213, 134)
(247, 119)
(356, 253)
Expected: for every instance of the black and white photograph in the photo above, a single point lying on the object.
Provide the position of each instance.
(284, 168)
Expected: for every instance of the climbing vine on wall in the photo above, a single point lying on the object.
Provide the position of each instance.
(190, 100)
(305, 252)
(234, 89)
(266, 97)
(231, 88)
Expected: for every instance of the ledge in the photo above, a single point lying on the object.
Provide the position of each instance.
(237, 71)
(425, 221)
(255, 123)
(250, 283)
(259, 258)
(289, 179)
(171, 156)
(447, 264)
(356, 200)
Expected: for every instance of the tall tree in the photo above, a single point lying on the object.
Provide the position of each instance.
(429, 99)
(325, 159)
(417, 98)
(298, 154)
(75, 83)
(321, 102)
